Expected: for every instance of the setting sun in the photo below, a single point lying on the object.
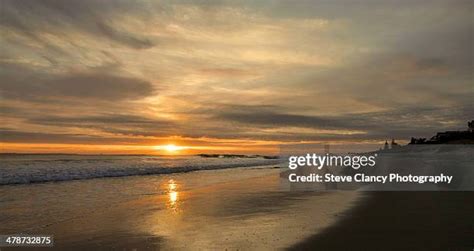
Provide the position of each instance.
(170, 148)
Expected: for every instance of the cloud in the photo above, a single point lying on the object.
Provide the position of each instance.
(124, 37)
(227, 72)
(14, 136)
(36, 19)
(95, 119)
(96, 85)
(22, 83)
(398, 123)
(123, 124)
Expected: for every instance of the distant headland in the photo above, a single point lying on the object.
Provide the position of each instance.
(447, 137)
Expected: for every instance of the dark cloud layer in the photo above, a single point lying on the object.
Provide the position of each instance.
(14, 136)
(31, 18)
(400, 123)
(124, 124)
(26, 84)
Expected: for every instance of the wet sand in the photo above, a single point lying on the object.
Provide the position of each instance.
(401, 221)
(242, 208)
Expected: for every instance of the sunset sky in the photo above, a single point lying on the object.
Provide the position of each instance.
(230, 76)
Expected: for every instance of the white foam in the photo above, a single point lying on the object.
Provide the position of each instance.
(24, 169)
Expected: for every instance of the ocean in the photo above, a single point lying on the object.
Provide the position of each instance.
(25, 169)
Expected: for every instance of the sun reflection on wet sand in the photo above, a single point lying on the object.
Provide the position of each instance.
(173, 196)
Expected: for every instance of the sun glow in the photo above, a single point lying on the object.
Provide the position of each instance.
(171, 148)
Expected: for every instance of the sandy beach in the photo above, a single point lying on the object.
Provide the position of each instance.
(234, 209)
(401, 221)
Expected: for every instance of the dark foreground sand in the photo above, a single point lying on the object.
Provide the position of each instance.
(402, 221)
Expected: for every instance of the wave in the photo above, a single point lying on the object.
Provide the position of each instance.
(56, 170)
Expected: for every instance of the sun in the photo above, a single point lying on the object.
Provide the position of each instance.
(171, 148)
